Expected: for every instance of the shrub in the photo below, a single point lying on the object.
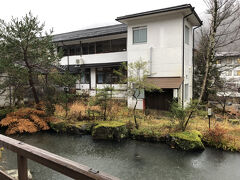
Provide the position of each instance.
(182, 115)
(218, 137)
(5, 111)
(25, 120)
(215, 135)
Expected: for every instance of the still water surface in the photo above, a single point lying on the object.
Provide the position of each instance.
(130, 160)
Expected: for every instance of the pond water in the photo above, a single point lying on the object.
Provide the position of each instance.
(129, 160)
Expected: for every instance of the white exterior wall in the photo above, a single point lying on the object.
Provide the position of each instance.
(164, 36)
(188, 64)
(96, 58)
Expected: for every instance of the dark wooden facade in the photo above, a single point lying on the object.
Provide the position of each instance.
(159, 100)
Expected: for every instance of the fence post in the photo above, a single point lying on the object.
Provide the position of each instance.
(22, 167)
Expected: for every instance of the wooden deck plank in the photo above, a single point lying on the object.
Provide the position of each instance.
(5, 176)
(65, 166)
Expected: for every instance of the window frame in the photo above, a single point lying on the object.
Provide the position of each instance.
(108, 75)
(86, 75)
(134, 29)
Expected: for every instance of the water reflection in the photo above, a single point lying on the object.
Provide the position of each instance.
(131, 160)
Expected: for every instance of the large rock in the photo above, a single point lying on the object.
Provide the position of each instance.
(145, 134)
(110, 130)
(187, 141)
(80, 128)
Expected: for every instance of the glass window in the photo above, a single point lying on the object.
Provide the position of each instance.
(107, 76)
(65, 51)
(72, 51)
(118, 45)
(139, 35)
(186, 91)
(85, 76)
(91, 48)
(100, 77)
(103, 46)
(187, 34)
(78, 50)
(85, 48)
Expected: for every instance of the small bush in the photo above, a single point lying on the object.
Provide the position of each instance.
(218, 137)
(25, 120)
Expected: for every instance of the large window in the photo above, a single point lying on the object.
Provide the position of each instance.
(139, 35)
(85, 76)
(118, 45)
(115, 45)
(103, 47)
(187, 34)
(108, 75)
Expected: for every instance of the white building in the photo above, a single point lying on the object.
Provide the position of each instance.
(229, 62)
(161, 37)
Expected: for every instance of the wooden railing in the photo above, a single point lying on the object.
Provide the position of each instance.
(65, 166)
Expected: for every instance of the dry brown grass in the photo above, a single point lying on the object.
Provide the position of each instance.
(155, 122)
(79, 111)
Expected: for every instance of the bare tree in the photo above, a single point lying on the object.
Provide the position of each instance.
(224, 30)
(225, 90)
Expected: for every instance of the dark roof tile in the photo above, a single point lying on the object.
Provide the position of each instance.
(89, 33)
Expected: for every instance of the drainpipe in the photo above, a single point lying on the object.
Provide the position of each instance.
(150, 61)
(193, 55)
(184, 54)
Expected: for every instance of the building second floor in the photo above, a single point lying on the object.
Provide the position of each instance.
(161, 37)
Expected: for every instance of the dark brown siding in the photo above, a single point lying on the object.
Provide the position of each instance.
(159, 100)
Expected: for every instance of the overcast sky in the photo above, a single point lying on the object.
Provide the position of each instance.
(71, 15)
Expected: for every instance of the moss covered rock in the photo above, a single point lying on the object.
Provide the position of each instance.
(187, 141)
(148, 135)
(110, 130)
(80, 128)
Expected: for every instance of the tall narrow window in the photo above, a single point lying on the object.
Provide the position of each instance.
(186, 92)
(187, 34)
(139, 35)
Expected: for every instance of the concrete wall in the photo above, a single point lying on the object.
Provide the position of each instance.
(96, 58)
(164, 36)
(188, 64)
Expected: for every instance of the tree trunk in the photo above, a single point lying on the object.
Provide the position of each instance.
(31, 83)
(30, 80)
(210, 50)
(210, 55)
(134, 114)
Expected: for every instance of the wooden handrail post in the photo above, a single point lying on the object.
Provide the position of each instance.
(22, 167)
